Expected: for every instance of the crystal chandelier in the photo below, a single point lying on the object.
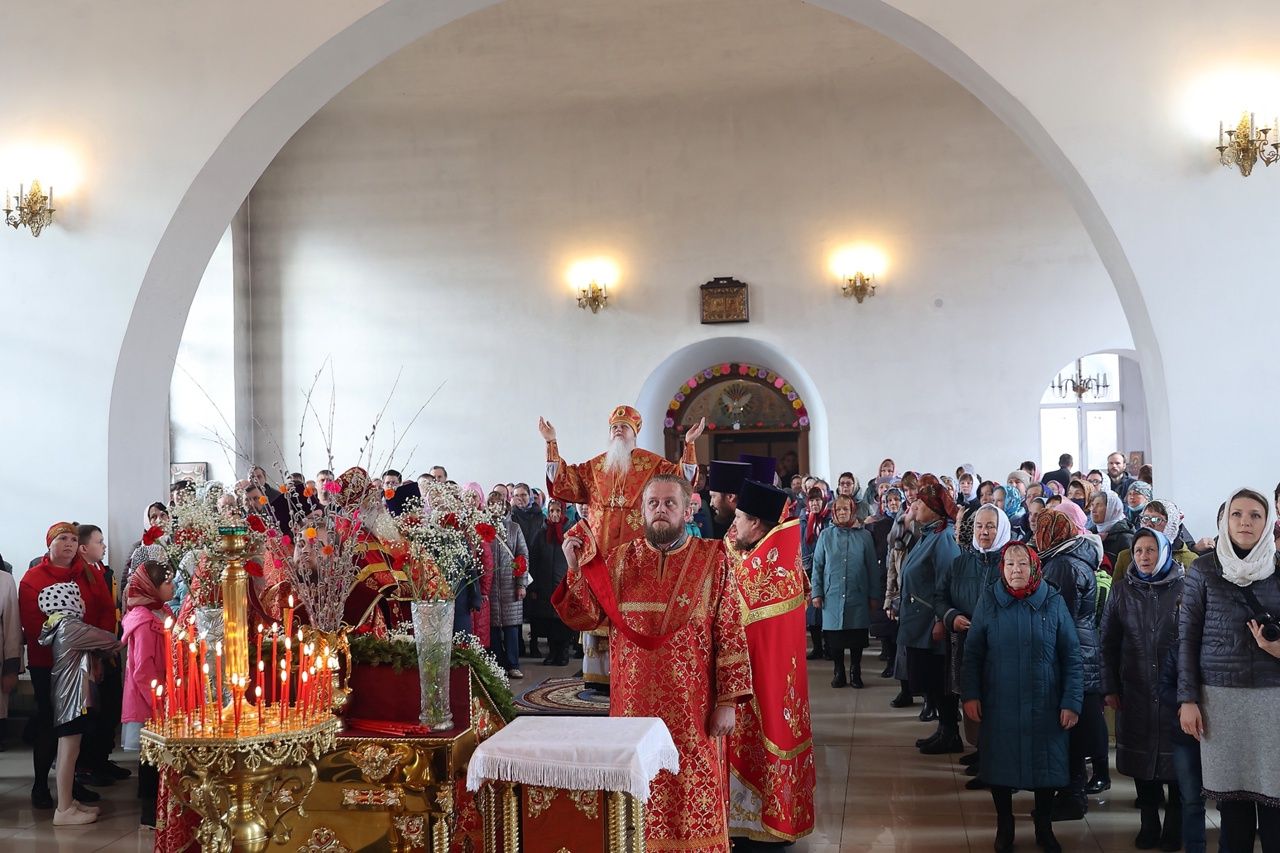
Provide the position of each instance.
(1248, 144)
(33, 209)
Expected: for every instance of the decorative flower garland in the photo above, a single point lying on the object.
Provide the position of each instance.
(742, 369)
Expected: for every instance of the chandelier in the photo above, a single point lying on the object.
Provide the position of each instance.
(1081, 385)
(34, 209)
(1247, 144)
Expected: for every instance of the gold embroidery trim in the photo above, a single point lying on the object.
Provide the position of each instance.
(642, 607)
(777, 609)
(732, 659)
(785, 754)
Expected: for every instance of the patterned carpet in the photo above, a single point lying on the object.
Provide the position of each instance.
(562, 697)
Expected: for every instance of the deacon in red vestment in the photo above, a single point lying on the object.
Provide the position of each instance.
(610, 485)
(771, 770)
(675, 619)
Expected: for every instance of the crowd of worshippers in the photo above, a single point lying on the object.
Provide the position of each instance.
(1018, 609)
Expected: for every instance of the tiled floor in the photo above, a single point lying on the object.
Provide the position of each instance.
(875, 791)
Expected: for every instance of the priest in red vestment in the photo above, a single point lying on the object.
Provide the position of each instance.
(675, 619)
(609, 485)
(771, 770)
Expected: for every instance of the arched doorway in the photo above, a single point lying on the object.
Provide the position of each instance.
(749, 409)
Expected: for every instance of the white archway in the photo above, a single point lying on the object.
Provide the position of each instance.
(677, 367)
(136, 428)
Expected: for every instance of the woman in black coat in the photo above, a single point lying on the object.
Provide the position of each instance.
(1107, 520)
(546, 551)
(1139, 627)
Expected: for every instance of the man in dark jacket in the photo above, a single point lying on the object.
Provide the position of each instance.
(1063, 474)
(1118, 478)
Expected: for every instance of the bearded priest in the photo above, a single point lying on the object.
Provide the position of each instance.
(771, 770)
(675, 618)
(610, 486)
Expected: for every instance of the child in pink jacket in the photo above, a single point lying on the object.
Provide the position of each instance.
(150, 587)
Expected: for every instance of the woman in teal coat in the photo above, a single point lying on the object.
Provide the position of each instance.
(1024, 683)
(845, 578)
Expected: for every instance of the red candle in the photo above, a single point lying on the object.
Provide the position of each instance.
(257, 696)
(193, 677)
(275, 652)
(204, 681)
(284, 687)
(217, 655)
(259, 650)
(288, 665)
(302, 702)
(156, 706)
(168, 662)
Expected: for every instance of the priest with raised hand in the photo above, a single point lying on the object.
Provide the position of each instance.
(675, 619)
(610, 485)
(772, 776)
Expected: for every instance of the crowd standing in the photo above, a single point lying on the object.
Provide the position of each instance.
(1015, 610)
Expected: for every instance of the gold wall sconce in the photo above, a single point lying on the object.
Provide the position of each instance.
(1248, 144)
(857, 269)
(30, 208)
(591, 280)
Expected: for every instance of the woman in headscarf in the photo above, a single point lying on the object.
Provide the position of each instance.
(1009, 499)
(919, 629)
(1070, 563)
(814, 518)
(1023, 684)
(879, 524)
(1136, 501)
(1080, 492)
(1110, 525)
(1139, 627)
(1055, 488)
(477, 592)
(545, 550)
(967, 487)
(982, 535)
(845, 577)
(1164, 516)
(146, 595)
(1229, 672)
(1035, 507)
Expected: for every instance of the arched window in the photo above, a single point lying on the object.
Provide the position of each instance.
(1082, 412)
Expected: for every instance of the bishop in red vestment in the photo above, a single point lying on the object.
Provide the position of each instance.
(609, 485)
(772, 776)
(675, 619)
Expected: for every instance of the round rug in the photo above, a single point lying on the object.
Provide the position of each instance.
(567, 696)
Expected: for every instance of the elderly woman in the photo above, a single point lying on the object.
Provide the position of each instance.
(1107, 515)
(1135, 501)
(1229, 672)
(1164, 516)
(919, 629)
(982, 534)
(814, 518)
(845, 580)
(1023, 684)
(1139, 627)
(1070, 563)
(878, 524)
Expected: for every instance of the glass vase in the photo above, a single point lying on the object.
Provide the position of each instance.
(433, 634)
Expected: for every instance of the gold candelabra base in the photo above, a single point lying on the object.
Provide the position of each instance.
(243, 789)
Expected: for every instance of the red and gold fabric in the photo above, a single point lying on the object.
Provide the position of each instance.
(613, 513)
(370, 600)
(771, 769)
(684, 604)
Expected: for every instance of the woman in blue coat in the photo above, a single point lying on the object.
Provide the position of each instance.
(845, 579)
(1024, 684)
(919, 630)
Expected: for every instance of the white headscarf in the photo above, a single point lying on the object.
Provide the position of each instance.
(1260, 562)
(1115, 512)
(1004, 531)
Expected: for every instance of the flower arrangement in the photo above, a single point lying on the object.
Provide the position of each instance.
(195, 543)
(443, 534)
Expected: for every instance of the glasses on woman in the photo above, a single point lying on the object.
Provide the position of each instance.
(1153, 521)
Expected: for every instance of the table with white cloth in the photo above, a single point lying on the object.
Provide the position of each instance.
(575, 784)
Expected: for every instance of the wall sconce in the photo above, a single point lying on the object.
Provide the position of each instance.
(856, 268)
(591, 280)
(34, 209)
(1248, 144)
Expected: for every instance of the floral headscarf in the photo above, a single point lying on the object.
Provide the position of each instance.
(142, 591)
(1037, 571)
(1054, 527)
(936, 497)
(1012, 502)
(884, 509)
(1175, 518)
(1133, 513)
(964, 532)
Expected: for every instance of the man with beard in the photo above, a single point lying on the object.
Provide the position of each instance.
(610, 485)
(771, 770)
(723, 481)
(675, 617)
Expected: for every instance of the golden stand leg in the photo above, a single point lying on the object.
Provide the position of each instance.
(624, 827)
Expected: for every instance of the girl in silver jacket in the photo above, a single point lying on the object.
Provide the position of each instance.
(76, 650)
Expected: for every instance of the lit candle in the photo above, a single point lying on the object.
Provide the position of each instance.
(218, 680)
(288, 665)
(284, 687)
(257, 697)
(275, 652)
(155, 702)
(159, 699)
(181, 723)
(168, 662)
(259, 648)
(204, 682)
(302, 693)
(193, 676)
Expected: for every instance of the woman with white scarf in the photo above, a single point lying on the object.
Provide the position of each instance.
(1229, 672)
(1108, 521)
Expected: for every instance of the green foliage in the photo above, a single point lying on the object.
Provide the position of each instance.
(403, 654)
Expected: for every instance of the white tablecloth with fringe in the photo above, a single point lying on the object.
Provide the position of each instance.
(577, 754)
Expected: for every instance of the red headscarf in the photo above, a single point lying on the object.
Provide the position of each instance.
(142, 591)
(1037, 572)
(937, 498)
(812, 522)
(1054, 527)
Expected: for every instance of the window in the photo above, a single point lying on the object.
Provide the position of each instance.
(1087, 426)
